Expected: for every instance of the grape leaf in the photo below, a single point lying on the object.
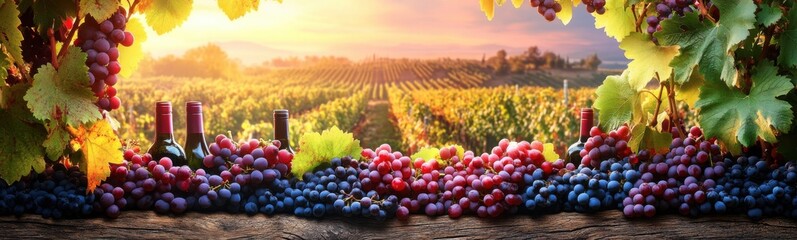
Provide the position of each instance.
(519, 3)
(56, 141)
(20, 139)
(235, 8)
(4, 66)
(689, 92)
(707, 44)
(567, 11)
(617, 102)
(10, 36)
(316, 149)
(50, 13)
(732, 115)
(549, 153)
(130, 57)
(788, 41)
(427, 153)
(65, 90)
(644, 137)
(647, 59)
(618, 20)
(100, 147)
(768, 15)
(488, 8)
(164, 15)
(99, 9)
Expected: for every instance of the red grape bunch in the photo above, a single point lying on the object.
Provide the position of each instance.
(99, 41)
(547, 8)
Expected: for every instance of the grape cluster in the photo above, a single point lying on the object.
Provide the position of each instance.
(547, 8)
(99, 41)
(56, 193)
(226, 156)
(595, 6)
(665, 10)
(602, 146)
(146, 183)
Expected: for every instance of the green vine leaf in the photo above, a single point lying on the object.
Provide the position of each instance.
(732, 115)
(165, 15)
(56, 141)
(618, 21)
(644, 137)
(316, 149)
(10, 36)
(689, 92)
(647, 59)
(768, 15)
(617, 103)
(707, 44)
(788, 41)
(99, 9)
(63, 90)
(21, 136)
(50, 13)
(235, 9)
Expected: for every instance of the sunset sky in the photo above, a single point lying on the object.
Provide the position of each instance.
(360, 28)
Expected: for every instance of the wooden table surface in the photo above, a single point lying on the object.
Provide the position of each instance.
(608, 224)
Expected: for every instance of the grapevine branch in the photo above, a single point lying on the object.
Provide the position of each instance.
(703, 11)
(70, 36)
(54, 56)
(658, 104)
(641, 17)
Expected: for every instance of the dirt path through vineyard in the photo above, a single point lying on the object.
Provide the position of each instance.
(377, 126)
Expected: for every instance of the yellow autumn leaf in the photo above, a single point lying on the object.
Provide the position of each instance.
(647, 59)
(236, 8)
(130, 57)
(517, 3)
(618, 20)
(567, 11)
(100, 147)
(549, 153)
(488, 8)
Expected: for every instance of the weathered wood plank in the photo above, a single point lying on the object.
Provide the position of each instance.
(608, 224)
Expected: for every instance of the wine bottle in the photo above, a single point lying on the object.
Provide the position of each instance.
(281, 129)
(573, 153)
(195, 145)
(164, 144)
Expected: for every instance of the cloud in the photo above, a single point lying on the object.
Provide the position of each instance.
(357, 29)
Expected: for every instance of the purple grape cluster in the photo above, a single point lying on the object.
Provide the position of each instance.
(665, 10)
(595, 6)
(100, 41)
(547, 8)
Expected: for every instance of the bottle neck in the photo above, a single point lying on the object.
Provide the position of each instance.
(195, 124)
(586, 124)
(281, 132)
(164, 127)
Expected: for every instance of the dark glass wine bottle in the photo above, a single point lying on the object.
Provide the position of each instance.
(574, 152)
(164, 144)
(195, 145)
(281, 129)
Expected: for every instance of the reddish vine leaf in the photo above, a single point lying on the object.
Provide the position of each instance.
(99, 9)
(63, 90)
(10, 36)
(735, 117)
(235, 8)
(100, 147)
(706, 44)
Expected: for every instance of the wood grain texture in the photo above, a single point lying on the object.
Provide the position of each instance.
(609, 224)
